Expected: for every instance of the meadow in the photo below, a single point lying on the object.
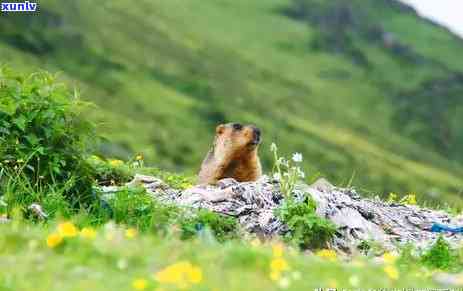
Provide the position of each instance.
(357, 98)
(133, 241)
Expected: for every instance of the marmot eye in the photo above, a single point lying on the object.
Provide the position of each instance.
(237, 126)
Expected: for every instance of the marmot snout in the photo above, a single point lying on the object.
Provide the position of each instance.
(233, 154)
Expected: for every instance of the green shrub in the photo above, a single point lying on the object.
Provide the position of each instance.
(43, 140)
(222, 227)
(440, 256)
(110, 172)
(306, 228)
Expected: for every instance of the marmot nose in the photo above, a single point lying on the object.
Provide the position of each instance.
(256, 132)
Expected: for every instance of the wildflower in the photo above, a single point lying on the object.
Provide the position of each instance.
(284, 283)
(279, 265)
(116, 163)
(297, 157)
(139, 284)
(391, 272)
(186, 185)
(389, 258)
(273, 147)
(139, 157)
(54, 240)
(332, 284)
(67, 229)
(411, 199)
(277, 176)
(330, 255)
(182, 274)
(88, 233)
(130, 233)
(275, 276)
(277, 250)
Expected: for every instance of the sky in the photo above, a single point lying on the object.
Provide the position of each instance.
(446, 12)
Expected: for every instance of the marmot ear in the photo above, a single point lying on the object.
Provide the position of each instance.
(220, 129)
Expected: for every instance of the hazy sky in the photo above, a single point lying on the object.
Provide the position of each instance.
(446, 12)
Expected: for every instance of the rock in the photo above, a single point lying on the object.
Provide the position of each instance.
(357, 219)
(37, 211)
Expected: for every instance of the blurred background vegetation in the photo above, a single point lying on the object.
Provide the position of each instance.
(370, 93)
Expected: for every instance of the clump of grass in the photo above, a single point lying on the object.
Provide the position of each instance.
(306, 228)
(224, 228)
(43, 140)
(440, 256)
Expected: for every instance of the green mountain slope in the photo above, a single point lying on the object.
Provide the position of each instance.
(375, 95)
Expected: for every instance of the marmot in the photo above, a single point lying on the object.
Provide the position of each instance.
(233, 154)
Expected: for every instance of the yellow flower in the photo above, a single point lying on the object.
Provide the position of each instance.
(275, 275)
(182, 274)
(67, 229)
(277, 250)
(116, 163)
(186, 185)
(139, 284)
(411, 199)
(330, 255)
(279, 265)
(332, 284)
(130, 233)
(139, 157)
(391, 272)
(389, 258)
(88, 233)
(54, 240)
(196, 275)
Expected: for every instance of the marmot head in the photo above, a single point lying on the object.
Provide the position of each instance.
(237, 139)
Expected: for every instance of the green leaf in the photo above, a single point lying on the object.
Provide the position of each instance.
(20, 122)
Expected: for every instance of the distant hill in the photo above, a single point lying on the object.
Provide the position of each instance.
(366, 90)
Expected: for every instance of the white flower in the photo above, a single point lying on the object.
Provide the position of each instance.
(273, 147)
(277, 176)
(297, 157)
(284, 283)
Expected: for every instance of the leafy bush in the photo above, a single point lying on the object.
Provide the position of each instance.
(43, 140)
(306, 228)
(222, 227)
(440, 255)
(112, 172)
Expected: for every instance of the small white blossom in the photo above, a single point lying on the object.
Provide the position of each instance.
(284, 283)
(297, 157)
(277, 176)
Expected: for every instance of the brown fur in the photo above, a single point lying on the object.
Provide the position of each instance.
(233, 155)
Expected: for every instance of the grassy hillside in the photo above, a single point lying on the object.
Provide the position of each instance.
(378, 101)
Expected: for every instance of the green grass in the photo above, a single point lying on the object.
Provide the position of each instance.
(164, 73)
(113, 261)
